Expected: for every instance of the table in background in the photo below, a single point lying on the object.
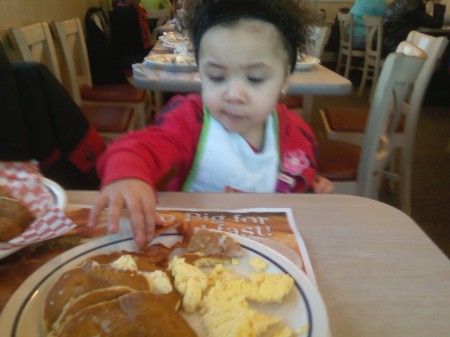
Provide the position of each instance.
(318, 80)
(377, 271)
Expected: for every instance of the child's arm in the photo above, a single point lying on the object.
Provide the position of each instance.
(140, 200)
(134, 162)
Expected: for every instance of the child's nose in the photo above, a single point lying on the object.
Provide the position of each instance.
(235, 90)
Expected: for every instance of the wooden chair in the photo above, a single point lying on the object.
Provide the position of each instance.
(346, 51)
(348, 124)
(70, 36)
(357, 169)
(35, 43)
(372, 59)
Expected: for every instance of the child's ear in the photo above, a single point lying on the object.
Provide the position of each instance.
(287, 79)
(288, 73)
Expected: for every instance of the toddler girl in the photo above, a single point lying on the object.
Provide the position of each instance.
(234, 137)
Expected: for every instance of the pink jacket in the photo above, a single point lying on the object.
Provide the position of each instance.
(171, 143)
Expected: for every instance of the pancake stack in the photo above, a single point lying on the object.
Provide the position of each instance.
(132, 294)
(100, 299)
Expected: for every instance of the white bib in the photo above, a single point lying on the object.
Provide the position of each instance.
(224, 160)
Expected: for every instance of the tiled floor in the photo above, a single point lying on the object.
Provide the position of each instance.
(431, 167)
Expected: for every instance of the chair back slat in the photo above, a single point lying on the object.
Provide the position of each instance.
(69, 33)
(346, 50)
(374, 34)
(345, 29)
(35, 43)
(373, 51)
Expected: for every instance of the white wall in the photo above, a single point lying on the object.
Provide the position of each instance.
(331, 6)
(17, 13)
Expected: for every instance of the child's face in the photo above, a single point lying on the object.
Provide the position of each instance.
(243, 69)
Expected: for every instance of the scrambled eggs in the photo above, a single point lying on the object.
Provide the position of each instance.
(223, 298)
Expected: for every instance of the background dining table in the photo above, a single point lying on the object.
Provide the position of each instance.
(377, 271)
(316, 80)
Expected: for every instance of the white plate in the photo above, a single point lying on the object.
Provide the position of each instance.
(171, 62)
(173, 38)
(174, 45)
(166, 28)
(60, 200)
(305, 62)
(22, 315)
(58, 193)
(5, 253)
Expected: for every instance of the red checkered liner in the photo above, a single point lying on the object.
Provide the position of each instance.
(24, 182)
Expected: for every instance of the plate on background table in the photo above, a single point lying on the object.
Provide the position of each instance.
(171, 62)
(305, 62)
(173, 37)
(169, 27)
(302, 307)
(175, 44)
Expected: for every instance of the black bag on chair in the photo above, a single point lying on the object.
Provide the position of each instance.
(39, 120)
(106, 67)
(334, 39)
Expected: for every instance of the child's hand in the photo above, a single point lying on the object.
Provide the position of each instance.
(322, 185)
(135, 195)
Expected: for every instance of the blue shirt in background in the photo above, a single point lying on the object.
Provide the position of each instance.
(359, 9)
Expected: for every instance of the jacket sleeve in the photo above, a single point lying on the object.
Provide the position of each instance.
(149, 154)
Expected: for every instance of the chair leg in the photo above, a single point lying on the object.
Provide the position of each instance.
(376, 73)
(338, 64)
(347, 65)
(159, 101)
(144, 111)
(405, 178)
(362, 85)
(405, 190)
(392, 172)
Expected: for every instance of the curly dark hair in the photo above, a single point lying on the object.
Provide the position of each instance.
(291, 17)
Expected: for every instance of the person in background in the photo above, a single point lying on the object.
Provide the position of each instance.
(151, 5)
(403, 16)
(157, 4)
(231, 137)
(359, 10)
(130, 34)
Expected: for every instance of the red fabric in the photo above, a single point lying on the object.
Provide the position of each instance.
(145, 30)
(51, 159)
(87, 151)
(143, 23)
(171, 143)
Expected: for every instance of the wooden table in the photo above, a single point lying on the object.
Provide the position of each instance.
(318, 80)
(378, 273)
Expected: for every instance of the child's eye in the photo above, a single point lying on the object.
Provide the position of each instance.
(255, 79)
(216, 78)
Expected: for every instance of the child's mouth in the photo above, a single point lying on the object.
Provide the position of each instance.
(232, 116)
